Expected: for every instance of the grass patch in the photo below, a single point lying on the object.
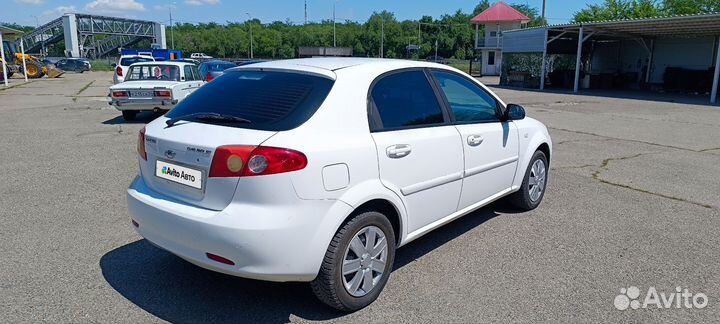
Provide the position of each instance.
(101, 65)
(462, 66)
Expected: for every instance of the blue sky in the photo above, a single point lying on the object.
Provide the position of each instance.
(27, 11)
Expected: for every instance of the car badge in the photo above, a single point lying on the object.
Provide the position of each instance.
(170, 154)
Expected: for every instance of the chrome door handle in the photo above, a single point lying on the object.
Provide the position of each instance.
(398, 151)
(475, 140)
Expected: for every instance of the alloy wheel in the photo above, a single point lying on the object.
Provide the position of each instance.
(536, 183)
(364, 261)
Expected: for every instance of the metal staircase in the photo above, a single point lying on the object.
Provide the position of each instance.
(49, 33)
(112, 43)
(117, 32)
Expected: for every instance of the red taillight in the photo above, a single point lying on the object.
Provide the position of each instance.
(272, 160)
(118, 70)
(209, 77)
(246, 161)
(141, 144)
(162, 93)
(120, 94)
(218, 258)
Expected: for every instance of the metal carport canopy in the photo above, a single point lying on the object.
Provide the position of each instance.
(6, 31)
(676, 26)
(644, 28)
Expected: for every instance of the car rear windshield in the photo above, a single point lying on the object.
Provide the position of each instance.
(126, 61)
(270, 100)
(217, 67)
(155, 72)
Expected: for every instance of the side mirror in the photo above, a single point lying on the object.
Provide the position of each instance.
(114, 65)
(513, 112)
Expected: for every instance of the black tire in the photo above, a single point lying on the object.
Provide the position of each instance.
(10, 74)
(522, 198)
(328, 286)
(34, 70)
(129, 114)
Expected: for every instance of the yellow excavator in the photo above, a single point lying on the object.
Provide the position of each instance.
(35, 67)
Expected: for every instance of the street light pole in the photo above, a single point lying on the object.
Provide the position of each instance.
(382, 37)
(172, 28)
(251, 34)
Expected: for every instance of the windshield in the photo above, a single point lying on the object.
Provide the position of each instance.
(154, 72)
(126, 61)
(269, 100)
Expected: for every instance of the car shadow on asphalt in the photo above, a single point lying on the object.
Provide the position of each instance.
(141, 118)
(179, 292)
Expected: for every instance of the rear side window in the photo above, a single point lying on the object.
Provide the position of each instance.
(271, 100)
(189, 76)
(131, 60)
(405, 100)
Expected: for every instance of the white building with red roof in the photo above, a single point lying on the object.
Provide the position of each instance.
(488, 40)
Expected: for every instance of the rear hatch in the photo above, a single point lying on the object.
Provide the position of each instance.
(180, 152)
(185, 153)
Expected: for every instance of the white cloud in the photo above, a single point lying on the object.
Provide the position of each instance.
(114, 6)
(32, 2)
(59, 11)
(201, 2)
(165, 7)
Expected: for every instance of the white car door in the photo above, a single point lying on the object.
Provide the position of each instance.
(490, 147)
(191, 80)
(419, 151)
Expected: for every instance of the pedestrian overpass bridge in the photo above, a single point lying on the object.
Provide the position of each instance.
(93, 36)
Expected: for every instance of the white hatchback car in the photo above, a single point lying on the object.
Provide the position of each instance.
(316, 170)
(124, 63)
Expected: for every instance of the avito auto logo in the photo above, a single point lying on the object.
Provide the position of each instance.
(182, 175)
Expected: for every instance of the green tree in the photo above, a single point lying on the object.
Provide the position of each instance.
(480, 7)
(532, 13)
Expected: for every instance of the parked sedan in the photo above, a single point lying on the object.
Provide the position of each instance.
(316, 170)
(73, 65)
(437, 59)
(214, 68)
(154, 86)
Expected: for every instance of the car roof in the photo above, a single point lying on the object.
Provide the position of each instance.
(216, 61)
(135, 55)
(163, 63)
(328, 65)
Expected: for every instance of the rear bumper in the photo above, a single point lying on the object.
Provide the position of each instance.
(143, 104)
(273, 243)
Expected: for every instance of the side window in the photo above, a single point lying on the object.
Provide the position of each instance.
(468, 101)
(188, 73)
(196, 73)
(406, 99)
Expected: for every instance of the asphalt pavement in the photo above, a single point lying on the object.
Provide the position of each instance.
(633, 201)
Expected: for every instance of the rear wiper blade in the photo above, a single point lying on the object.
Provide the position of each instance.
(207, 116)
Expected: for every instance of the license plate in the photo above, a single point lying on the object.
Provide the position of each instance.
(180, 174)
(142, 94)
